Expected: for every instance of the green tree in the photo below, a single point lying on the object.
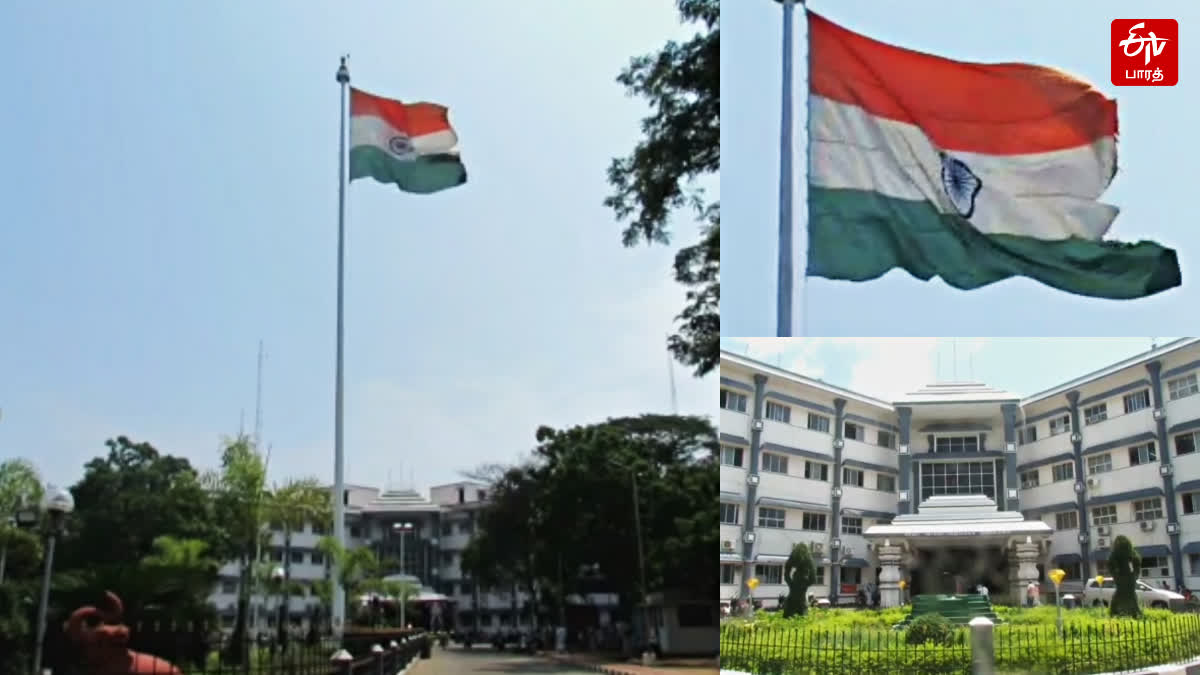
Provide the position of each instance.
(183, 575)
(20, 487)
(1125, 565)
(681, 144)
(290, 506)
(799, 573)
(356, 568)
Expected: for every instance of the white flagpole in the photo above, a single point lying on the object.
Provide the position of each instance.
(339, 481)
(783, 306)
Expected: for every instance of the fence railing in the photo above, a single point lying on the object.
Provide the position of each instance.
(1095, 647)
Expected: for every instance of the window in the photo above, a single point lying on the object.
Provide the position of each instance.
(1064, 471)
(885, 439)
(727, 574)
(1138, 400)
(769, 517)
(1060, 425)
(1029, 479)
(297, 557)
(958, 478)
(1096, 413)
(1104, 515)
(1102, 570)
(1148, 509)
(1155, 566)
(851, 525)
(1191, 503)
(852, 477)
(729, 514)
(854, 432)
(956, 444)
(814, 522)
(1186, 443)
(1099, 464)
(1183, 386)
(319, 528)
(769, 574)
(731, 456)
(819, 579)
(1066, 520)
(318, 558)
(885, 482)
(1073, 570)
(1142, 454)
(816, 470)
(818, 422)
(1194, 563)
(774, 463)
(355, 531)
(852, 575)
(778, 412)
(228, 586)
(1030, 434)
(731, 400)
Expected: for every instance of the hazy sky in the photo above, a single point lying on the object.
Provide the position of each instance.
(886, 368)
(1159, 142)
(169, 197)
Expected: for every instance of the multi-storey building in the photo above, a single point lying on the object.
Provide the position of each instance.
(884, 490)
(417, 537)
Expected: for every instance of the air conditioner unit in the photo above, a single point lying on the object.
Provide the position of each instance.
(847, 550)
(1102, 543)
(818, 547)
(1146, 525)
(1093, 482)
(1104, 530)
(727, 545)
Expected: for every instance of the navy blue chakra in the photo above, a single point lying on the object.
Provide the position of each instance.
(961, 185)
(401, 145)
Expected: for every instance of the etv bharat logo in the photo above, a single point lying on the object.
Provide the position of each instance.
(1145, 52)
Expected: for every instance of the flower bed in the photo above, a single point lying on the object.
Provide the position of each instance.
(1026, 641)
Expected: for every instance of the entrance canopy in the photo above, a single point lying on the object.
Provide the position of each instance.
(950, 520)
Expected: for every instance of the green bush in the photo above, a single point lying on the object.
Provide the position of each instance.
(1126, 566)
(799, 573)
(931, 628)
(848, 641)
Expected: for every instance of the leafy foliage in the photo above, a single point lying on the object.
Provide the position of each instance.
(799, 572)
(682, 142)
(930, 628)
(1125, 565)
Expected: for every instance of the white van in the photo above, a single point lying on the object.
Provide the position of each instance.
(1148, 596)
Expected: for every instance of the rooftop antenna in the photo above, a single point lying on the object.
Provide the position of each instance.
(1153, 343)
(389, 481)
(671, 376)
(258, 398)
(412, 483)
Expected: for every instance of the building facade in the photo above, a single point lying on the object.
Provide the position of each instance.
(427, 546)
(1112, 452)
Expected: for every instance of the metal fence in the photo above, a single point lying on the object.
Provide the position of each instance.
(1082, 647)
(199, 651)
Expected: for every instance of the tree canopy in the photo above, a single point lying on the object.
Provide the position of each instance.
(681, 144)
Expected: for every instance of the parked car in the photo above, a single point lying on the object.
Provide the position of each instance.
(1148, 596)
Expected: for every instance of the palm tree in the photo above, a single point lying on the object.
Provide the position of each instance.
(20, 486)
(356, 568)
(295, 503)
(182, 572)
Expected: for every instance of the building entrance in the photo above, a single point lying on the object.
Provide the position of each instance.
(959, 569)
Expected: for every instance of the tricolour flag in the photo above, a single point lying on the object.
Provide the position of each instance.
(971, 172)
(409, 144)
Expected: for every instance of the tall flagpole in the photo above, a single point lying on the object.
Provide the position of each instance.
(783, 307)
(339, 480)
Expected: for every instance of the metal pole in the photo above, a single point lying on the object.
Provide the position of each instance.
(41, 624)
(783, 307)
(637, 526)
(1058, 603)
(339, 482)
(3, 560)
(402, 603)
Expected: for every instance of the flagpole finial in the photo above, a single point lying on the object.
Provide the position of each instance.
(343, 73)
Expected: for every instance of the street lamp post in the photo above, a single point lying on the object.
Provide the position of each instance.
(277, 577)
(402, 528)
(57, 504)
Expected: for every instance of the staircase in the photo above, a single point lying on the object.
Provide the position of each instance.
(958, 609)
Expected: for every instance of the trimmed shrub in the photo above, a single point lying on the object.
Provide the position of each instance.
(930, 628)
(1126, 567)
(799, 573)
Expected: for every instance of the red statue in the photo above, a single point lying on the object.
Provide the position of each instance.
(102, 640)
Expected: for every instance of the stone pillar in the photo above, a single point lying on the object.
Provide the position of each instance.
(760, 385)
(906, 491)
(889, 575)
(1023, 557)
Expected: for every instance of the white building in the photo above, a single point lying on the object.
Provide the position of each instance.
(1112, 452)
(441, 526)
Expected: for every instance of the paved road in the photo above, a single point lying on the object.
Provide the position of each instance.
(456, 660)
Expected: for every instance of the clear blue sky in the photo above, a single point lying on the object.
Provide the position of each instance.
(169, 197)
(1155, 187)
(889, 367)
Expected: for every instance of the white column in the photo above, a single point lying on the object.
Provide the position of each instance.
(889, 576)
(1024, 557)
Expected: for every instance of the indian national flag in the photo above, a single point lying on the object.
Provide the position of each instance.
(409, 144)
(971, 172)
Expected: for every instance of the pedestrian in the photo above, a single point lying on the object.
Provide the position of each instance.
(982, 589)
(1031, 594)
